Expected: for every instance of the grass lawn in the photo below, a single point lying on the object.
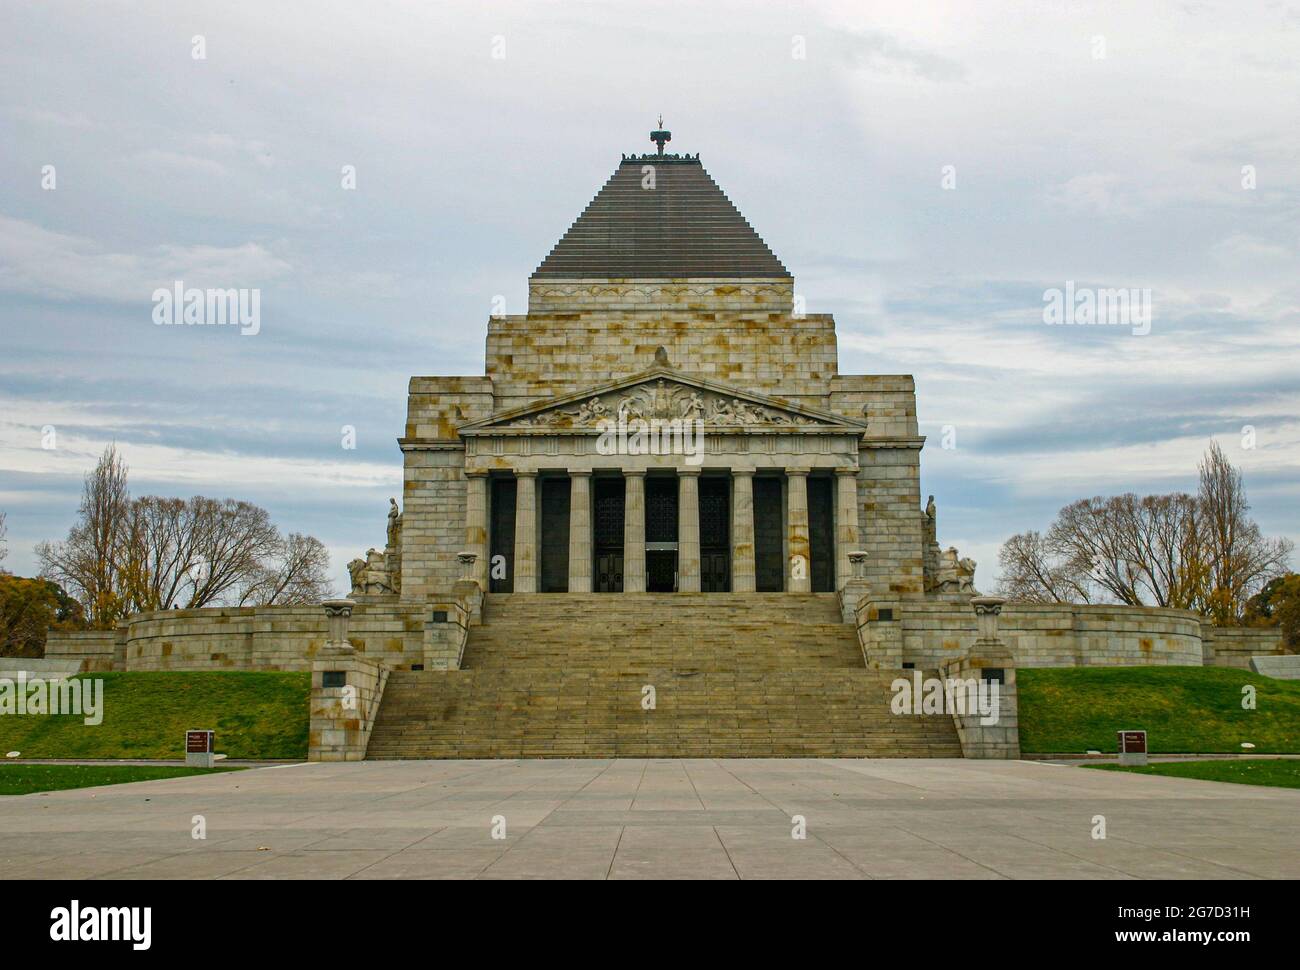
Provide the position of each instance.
(1255, 771)
(1182, 709)
(260, 715)
(20, 779)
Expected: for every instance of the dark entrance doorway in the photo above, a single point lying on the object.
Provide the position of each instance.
(554, 572)
(661, 533)
(715, 535)
(769, 533)
(501, 547)
(608, 539)
(821, 534)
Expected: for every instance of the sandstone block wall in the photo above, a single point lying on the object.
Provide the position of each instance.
(93, 649)
(1234, 646)
(342, 717)
(249, 638)
(937, 630)
(539, 356)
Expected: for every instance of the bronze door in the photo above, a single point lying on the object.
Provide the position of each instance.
(608, 534)
(554, 572)
(821, 534)
(769, 531)
(660, 571)
(715, 535)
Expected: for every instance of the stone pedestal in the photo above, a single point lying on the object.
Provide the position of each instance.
(346, 688)
(988, 661)
(856, 586)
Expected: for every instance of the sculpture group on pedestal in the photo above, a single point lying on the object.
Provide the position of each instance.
(380, 573)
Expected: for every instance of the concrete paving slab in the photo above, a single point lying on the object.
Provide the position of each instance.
(637, 818)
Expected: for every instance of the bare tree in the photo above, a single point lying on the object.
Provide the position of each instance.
(1031, 573)
(297, 574)
(1239, 560)
(87, 562)
(157, 553)
(4, 547)
(1186, 552)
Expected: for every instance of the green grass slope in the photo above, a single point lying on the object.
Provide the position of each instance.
(20, 779)
(1182, 709)
(1280, 773)
(260, 715)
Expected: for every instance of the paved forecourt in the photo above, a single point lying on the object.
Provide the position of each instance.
(635, 818)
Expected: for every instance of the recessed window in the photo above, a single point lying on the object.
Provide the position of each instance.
(439, 616)
(334, 678)
(996, 674)
(886, 614)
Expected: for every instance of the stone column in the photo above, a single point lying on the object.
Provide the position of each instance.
(634, 531)
(580, 531)
(525, 532)
(476, 524)
(800, 564)
(688, 530)
(846, 523)
(742, 531)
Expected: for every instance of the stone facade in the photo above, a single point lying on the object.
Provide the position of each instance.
(664, 418)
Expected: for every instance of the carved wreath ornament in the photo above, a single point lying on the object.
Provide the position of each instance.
(665, 402)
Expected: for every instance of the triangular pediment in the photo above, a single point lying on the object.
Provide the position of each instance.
(663, 394)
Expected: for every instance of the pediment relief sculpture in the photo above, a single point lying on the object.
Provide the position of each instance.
(664, 400)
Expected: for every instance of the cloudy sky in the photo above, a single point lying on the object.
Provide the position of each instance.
(1109, 144)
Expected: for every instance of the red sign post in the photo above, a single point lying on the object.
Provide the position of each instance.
(200, 748)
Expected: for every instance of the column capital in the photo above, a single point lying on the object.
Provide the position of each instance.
(476, 473)
(846, 472)
(689, 471)
(633, 472)
(798, 471)
(742, 472)
(525, 472)
(579, 472)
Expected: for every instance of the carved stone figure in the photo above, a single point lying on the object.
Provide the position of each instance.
(956, 575)
(930, 510)
(394, 522)
(356, 571)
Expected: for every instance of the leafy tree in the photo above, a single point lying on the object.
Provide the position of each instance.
(1278, 604)
(30, 607)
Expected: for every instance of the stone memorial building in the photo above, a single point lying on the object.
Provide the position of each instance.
(661, 522)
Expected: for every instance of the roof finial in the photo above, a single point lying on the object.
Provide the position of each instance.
(659, 136)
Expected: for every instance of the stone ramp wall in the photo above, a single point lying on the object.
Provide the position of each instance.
(934, 632)
(1235, 646)
(242, 638)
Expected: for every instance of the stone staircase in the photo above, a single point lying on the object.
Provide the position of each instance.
(735, 675)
